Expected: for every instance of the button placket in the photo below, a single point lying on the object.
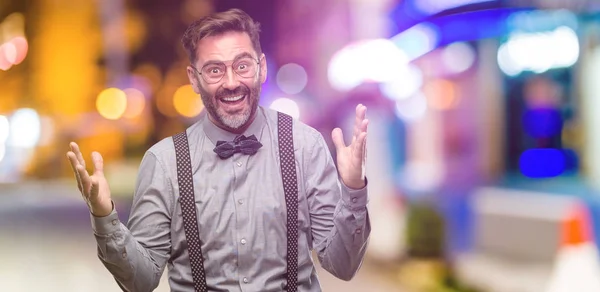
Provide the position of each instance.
(241, 205)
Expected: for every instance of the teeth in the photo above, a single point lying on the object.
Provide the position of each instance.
(234, 98)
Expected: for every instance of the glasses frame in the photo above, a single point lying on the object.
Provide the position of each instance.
(227, 66)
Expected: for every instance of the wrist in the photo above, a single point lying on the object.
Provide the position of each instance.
(356, 184)
(102, 210)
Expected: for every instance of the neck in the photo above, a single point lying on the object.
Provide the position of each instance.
(232, 130)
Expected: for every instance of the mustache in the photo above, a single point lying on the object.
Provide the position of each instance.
(224, 92)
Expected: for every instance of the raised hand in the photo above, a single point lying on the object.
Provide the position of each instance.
(94, 188)
(351, 159)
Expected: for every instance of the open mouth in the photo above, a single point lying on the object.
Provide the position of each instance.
(233, 99)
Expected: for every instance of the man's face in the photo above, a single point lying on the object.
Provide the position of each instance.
(232, 101)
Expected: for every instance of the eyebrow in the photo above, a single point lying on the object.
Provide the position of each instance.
(239, 56)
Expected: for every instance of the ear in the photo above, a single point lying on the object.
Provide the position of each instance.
(193, 77)
(263, 69)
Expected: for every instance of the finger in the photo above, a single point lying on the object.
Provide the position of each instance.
(362, 142)
(98, 163)
(360, 150)
(73, 162)
(75, 149)
(85, 180)
(94, 187)
(338, 139)
(361, 111)
(364, 125)
(363, 154)
(356, 121)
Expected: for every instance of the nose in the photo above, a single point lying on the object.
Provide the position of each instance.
(231, 80)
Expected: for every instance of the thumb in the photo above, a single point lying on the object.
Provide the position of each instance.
(338, 138)
(98, 163)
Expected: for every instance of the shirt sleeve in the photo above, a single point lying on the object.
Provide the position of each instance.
(339, 218)
(136, 254)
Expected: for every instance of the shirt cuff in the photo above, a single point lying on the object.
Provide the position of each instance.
(106, 225)
(355, 199)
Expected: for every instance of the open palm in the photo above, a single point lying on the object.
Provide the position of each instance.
(94, 188)
(351, 159)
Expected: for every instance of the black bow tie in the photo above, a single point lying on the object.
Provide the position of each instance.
(241, 144)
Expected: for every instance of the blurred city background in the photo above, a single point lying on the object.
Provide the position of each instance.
(483, 152)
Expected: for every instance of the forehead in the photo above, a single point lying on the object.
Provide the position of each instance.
(224, 47)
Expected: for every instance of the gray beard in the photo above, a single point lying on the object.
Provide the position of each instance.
(231, 122)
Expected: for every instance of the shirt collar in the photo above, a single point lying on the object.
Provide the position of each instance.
(215, 133)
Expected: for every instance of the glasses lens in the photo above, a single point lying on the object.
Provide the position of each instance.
(245, 67)
(213, 72)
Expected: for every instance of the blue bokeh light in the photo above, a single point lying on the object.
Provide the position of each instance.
(542, 162)
(542, 122)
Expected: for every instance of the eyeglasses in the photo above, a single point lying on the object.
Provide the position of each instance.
(245, 67)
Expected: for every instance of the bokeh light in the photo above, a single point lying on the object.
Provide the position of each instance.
(412, 108)
(24, 128)
(13, 44)
(287, 106)
(441, 94)
(21, 47)
(47, 131)
(505, 62)
(417, 40)
(291, 78)
(542, 162)
(111, 103)
(342, 72)
(10, 52)
(136, 102)
(378, 60)
(4, 129)
(458, 57)
(5, 63)
(2, 151)
(539, 52)
(186, 102)
(542, 122)
(406, 83)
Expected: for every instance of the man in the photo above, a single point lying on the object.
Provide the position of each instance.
(239, 198)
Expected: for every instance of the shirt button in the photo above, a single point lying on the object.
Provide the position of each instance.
(354, 200)
(115, 221)
(246, 280)
(243, 241)
(240, 201)
(124, 255)
(358, 231)
(239, 164)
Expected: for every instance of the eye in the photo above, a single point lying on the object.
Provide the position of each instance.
(213, 70)
(244, 66)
